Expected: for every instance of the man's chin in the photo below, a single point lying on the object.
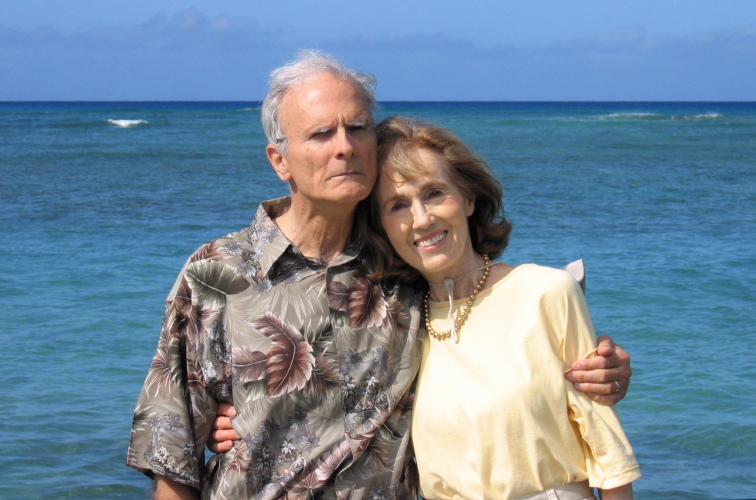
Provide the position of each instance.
(355, 193)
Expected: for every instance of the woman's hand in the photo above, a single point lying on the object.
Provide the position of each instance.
(223, 436)
(604, 378)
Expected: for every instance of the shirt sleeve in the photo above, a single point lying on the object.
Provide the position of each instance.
(174, 412)
(610, 460)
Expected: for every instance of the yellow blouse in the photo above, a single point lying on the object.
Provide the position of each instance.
(494, 416)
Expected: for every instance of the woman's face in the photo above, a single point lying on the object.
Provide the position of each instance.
(425, 219)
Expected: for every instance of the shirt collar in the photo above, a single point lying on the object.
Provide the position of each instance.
(279, 245)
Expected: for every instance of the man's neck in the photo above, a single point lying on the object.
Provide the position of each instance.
(320, 235)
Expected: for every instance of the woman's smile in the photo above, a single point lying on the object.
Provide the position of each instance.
(428, 242)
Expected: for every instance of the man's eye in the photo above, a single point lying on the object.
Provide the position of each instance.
(321, 133)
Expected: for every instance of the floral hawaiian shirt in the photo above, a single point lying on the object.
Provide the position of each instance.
(317, 360)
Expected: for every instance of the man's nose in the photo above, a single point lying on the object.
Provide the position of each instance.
(344, 146)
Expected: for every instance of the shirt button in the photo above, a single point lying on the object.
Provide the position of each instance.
(340, 321)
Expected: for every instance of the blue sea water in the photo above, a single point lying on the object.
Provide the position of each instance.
(100, 204)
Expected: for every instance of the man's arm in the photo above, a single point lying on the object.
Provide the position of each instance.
(624, 492)
(167, 489)
(595, 376)
(604, 378)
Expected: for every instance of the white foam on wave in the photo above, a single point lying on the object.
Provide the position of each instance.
(655, 116)
(126, 123)
(707, 116)
(632, 116)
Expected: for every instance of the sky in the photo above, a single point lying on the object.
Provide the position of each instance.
(420, 50)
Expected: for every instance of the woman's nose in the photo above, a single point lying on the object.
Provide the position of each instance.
(421, 217)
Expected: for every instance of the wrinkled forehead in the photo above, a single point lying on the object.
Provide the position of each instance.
(327, 90)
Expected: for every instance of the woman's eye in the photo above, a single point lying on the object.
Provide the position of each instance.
(397, 206)
(434, 193)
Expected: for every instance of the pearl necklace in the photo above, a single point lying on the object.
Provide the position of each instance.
(456, 323)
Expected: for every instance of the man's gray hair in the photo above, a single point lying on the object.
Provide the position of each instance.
(307, 65)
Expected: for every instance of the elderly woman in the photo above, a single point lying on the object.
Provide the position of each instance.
(493, 416)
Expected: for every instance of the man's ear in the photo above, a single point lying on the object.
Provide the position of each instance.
(278, 161)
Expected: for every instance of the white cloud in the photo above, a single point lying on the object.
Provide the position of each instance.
(623, 64)
(189, 29)
(193, 56)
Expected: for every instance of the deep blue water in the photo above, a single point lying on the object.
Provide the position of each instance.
(659, 199)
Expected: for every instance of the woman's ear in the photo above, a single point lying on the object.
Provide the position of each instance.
(469, 207)
(278, 162)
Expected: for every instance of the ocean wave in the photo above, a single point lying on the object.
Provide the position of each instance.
(707, 116)
(126, 123)
(633, 116)
(657, 116)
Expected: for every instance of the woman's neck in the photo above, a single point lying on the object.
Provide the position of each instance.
(464, 280)
(465, 283)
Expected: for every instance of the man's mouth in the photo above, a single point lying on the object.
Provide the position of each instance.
(348, 174)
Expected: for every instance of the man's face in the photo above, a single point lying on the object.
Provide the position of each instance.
(332, 144)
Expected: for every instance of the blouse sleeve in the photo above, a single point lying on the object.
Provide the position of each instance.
(610, 460)
(174, 412)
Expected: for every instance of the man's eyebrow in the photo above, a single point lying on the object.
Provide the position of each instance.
(317, 130)
(360, 122)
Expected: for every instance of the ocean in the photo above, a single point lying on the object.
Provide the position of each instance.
(101, 203)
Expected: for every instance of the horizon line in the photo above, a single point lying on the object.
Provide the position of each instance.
(26, 101)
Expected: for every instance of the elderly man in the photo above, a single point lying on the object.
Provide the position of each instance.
(280, 321)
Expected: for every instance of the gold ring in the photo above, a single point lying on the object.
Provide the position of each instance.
(618, 387)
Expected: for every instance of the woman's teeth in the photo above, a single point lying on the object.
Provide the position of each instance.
(432, 241)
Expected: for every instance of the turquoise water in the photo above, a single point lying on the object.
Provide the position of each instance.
(659, 199)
